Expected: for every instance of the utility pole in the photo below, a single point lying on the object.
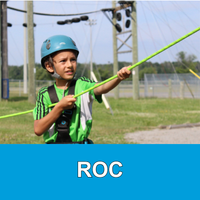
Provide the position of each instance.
(115, 56)
(4, 50)
(25, 50)
(92, 75)
(91, 23)
(0, 52)
(135, 71)
(31, 54)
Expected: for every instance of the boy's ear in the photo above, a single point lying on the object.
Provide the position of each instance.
(49, 67)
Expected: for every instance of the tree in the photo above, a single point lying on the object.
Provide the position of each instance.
(185, 62)
(146, 70)
(41, 73)
(15, 72)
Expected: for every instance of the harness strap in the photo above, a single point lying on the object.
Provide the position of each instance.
(86, 141)
(72, 87)
(52, 94)
(63, 122)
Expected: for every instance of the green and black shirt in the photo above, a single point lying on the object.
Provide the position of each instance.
(81, 122)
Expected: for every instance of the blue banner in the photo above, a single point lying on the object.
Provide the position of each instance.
(99, 172)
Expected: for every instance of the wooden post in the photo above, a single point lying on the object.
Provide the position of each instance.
(115, 56)
(181, 90)
(169, 88)
(4, 76)
(135, 71)
(0, 51)
(31, 54)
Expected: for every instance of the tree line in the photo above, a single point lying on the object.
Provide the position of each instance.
(182, 64)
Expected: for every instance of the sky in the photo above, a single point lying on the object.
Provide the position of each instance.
(158, 24)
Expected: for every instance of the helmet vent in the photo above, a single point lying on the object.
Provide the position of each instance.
(48, 45)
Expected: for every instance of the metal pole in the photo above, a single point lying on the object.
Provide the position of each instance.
(91, 70)
(31, 54)
(91, 67)
(135, 72)
(25, 50)
(91, 22)
(115, 56)
(5, 82)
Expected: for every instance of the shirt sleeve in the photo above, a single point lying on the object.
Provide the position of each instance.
(86, 84)
(41, 108)
(98, 98)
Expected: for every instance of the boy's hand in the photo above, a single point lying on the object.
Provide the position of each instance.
(67, 102)
(123, 73)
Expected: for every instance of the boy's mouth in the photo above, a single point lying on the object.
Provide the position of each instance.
(69, 72)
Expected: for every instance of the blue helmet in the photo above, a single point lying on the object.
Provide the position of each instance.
(57, 43)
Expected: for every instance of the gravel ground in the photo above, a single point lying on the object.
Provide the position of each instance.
(166, 136)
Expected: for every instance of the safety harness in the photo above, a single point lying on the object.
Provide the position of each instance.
(63, 122)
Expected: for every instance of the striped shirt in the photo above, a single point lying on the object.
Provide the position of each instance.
(81, 122)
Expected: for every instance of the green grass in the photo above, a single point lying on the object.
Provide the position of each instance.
(129, 116)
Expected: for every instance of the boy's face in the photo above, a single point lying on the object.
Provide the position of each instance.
(65, 63)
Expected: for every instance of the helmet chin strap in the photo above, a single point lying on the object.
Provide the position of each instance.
(55, 75)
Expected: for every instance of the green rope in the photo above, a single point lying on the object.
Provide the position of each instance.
(115, 76)
(16, 114)
(138, 63)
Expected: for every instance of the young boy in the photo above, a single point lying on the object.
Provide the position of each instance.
(70, 120)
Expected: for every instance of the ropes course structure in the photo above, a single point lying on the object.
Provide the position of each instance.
(95, 11)
(164, 19)
(167, 21)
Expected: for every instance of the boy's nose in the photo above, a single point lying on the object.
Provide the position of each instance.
(68, 64)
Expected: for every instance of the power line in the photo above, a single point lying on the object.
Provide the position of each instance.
(161, 33)
(185, 14)
(170, 26)
(16, 45)
(58, 15)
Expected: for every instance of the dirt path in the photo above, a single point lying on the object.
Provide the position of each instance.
(166, 136)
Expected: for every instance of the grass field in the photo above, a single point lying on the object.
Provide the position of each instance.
(129, 116)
